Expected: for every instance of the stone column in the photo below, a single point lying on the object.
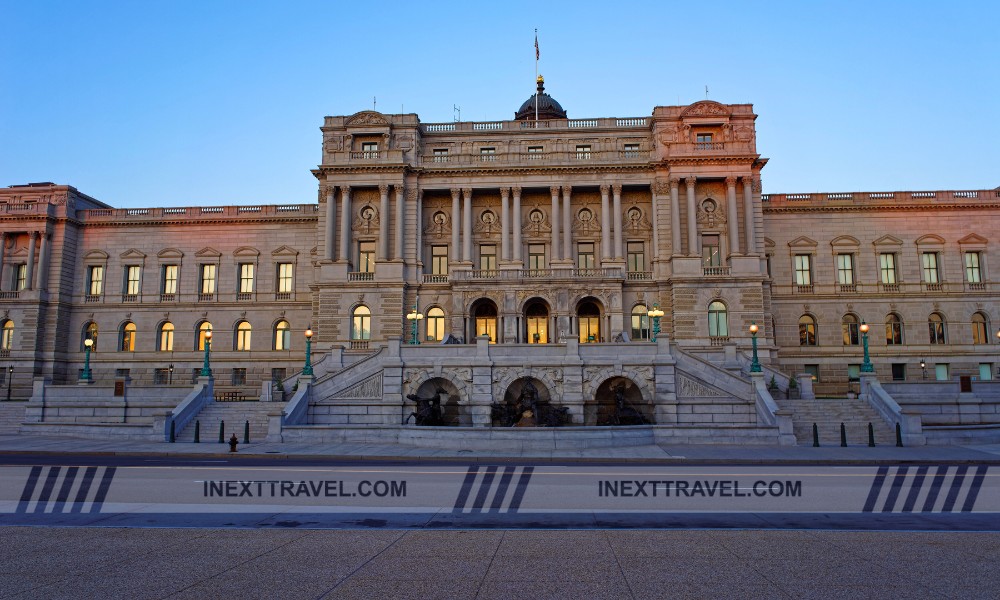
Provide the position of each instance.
(413, 196)
(567, 227)
(605, 224)
(733, 219)
(675, 216)
(397, 251)
(694, 248)
(517, 224)
(331, 222)
(3, 246)
(659, 189)
(467, 225)
(748, 214)
(43, 262)
(616, 190)
(554, 221)
(383, 222)
(505, 224)
(456, 224)
(31, 261)
(345, 224)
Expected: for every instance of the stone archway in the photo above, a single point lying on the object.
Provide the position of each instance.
(454, 413)
(527, 402)
(603, 409)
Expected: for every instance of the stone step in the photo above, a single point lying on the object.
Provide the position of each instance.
(235, 415)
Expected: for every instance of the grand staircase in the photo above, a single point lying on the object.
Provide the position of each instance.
(235, 414)
(829, 413)
(11, 415)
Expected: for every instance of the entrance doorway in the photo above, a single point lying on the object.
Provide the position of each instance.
(536, 316)
(589, 318)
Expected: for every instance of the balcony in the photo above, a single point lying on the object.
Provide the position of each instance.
(361, 276)
(934, 287)
(91, 298)
(360, 344)
(533, 274)
(975, 286)
(847, 288)
(719, 340)
(244, 297)
(206, 297)
(130, 298)
(168, 297)
(717, 271)
(283, 296)
(9, 295)
(435, 278)
(889, 288)
(516, 157)
(804, 289)
(639, 275)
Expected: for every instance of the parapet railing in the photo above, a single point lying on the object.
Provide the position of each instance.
(196, 212)
(847, 198)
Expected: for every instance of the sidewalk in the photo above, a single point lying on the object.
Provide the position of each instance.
(669, 455)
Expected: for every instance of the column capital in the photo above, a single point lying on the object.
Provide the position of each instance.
(345, 189)
(517, 190)
(467, 192)
(399, 187)
(605, 189)
(383, 188)
(690, 180)
(731, 181)
(329, 190)
(455, 192)
(758, 187)
(675, 181)
(554, 190)
(661, 187)
(505, 192)
(567, 189)
(34, 235)
(617, 189)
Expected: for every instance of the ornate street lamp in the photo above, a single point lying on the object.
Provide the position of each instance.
(10, 376)
(655, 313)
(170, 374)
(923, 369)
(414, 317)
(866, 366)
(86, 375)
(206, 369)
(754, 363)
(308, 369)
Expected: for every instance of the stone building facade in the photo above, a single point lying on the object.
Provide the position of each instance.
(528, 232)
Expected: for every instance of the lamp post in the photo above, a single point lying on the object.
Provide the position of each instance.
(86, 376)
(414, 318)
(10, 376)
(308, 368)
(170, 374)
(866, 366)
(206, 369)
(655, 313)
(923, 369)
(754, 362)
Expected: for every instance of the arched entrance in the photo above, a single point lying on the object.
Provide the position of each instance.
(484, 319)
(528, 403)
(536, 319)
(588, 317)
(618, 401)
(453, 413)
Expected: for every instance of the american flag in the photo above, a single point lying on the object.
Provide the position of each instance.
(536, 47)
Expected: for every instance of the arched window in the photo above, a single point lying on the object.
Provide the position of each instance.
(640, 322)
(536, 318)
(589, 318)
(243, 331)
(935, 326)
(807, 330)
(980, 329)
(7, 339)
(435, 324)
(282, 336)
(361, 323)
(166, 337)
(90, 333)
(486, 321)
(851, 330)
(718, 320)
(893, 330)
(204, 328)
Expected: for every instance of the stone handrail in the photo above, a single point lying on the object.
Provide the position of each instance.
(769, 414)
(910, 423)
(189, 407)
(296, 412)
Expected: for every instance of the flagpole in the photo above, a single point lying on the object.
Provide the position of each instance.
(536, 76)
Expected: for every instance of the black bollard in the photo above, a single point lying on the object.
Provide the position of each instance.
(843, 436)
(815, 436)
(871, 435)
(173, 429)
(232, 443)
(222, 432)
(246, 432)
(197, 432)
(899, 436)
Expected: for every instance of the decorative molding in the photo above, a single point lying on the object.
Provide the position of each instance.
(367, 117)
(369, 389)
(689, 388)
(366, 220)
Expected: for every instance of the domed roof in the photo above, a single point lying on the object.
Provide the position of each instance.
(548, 108)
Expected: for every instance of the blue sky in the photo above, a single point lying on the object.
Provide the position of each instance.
(192, 103)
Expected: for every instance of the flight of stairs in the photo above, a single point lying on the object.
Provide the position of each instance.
(829, 413)
(235, 414)
(11, 415)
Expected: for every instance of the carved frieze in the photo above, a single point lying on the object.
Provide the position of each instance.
(689, 388)
(711, 214)
(367, 117)
(439, 226)
(586, 222)
(369, 389)
(366, 220)
(537, 224)
(636, 222)
(488, 224)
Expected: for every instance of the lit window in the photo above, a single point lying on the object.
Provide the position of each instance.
(361, 324)
(7, 337)
(887, 267)
(207, 279)
(282, 336)
(935, 326)
(133, 280)
(711, 256)
(929, 261)
(636, 257)
(246, 278)
(640, 322)
(439, 260)
(585, 255)
(204, 328)
(366, 257)
(91, 334)
(435, 324)
(589, 319)
(286, 278)
(718, 320)
(21, 277)
(170, 279)
(893, 330)
(851, 330)
(243, 331)
(972, 271)
(845, 269)
(95, 280)
(807, 331)
(488, 257)
(128, 337)
(167, 337)
(803, 269)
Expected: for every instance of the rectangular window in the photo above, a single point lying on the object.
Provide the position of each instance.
(803, 269)
(366, 257)
(985, 371)
(95, 281)
(887, 268)
(534, 152)
(161, 376)
(170, 279)
(440, 155)
(942, 372)
(286, 278)
(20, 276)
(369, 149)
(122, 373)
(812, 371)
(972, 272)
(536, 256)
(711, 255)
(488, 257)
(929, 261)
(635, 257)
(133, 280)
(853, 372)
(899, 371)
(487, 154)
(703, 138)
(239, 376)
(207, 279)
(246, 278)
(439, 260)
(631, 150)
(583, 152)
(845, 269)
(585, 255)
